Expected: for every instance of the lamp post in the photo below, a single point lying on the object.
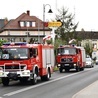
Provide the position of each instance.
(49, 11)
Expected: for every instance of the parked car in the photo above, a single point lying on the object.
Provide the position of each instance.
(97, 62)
(89, 62)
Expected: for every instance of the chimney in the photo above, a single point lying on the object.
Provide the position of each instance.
(28, 12)
(5, 21)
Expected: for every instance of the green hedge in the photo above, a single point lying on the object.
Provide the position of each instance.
(56, 68)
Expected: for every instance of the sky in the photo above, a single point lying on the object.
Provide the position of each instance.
(85, 10)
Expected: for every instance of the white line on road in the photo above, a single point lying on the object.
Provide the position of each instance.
(34, 86)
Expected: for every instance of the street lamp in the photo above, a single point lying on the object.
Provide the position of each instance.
(50, 11)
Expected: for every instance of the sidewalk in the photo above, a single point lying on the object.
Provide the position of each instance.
(89, 92)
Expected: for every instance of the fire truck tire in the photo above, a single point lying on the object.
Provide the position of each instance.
(77, 69)
(46, 77)
(5, 81)
(81, 69)
(34, 80)
(60, 70)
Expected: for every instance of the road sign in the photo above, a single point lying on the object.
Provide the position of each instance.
(54, 24)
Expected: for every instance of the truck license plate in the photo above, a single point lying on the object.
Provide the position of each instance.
(66, 64)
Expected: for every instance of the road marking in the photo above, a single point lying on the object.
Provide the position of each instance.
(34, 86)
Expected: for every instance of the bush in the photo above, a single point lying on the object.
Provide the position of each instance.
(56, 68)
(49, 41)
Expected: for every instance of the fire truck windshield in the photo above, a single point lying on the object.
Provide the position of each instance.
(13, 53)
(67, 51)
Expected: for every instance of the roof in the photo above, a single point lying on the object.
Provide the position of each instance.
(3, 22)
(14, 25)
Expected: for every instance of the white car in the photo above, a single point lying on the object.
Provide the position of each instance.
(89, 63)
(97, 62)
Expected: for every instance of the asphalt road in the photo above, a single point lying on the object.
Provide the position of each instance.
(61, 85)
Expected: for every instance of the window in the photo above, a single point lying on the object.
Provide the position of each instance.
(27, 24)
(33, 24)
(14, 53)
(22, 24)
(33, 52)
(67, 51)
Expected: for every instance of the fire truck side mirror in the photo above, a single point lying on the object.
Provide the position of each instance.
(34, 55)
(78, 51)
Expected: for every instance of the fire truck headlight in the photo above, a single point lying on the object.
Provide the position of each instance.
(25, 73)
(59, 54)
(1, 73)
(74, 64)
(58, 65)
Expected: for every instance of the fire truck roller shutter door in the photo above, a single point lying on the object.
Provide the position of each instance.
(46, 57)
(52, 58)
(47, 63)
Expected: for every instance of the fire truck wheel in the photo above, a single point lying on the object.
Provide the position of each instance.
(60, 70)
(46, 77)
(77, 69)
(34, 80)
(5, 81)
(81, 69)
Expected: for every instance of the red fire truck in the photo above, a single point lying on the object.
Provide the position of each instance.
(70, 57)
(25, 62)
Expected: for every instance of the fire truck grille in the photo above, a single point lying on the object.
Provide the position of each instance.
(66, 60)
(13, 67)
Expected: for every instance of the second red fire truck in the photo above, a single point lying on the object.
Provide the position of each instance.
(70, 57)
(23, 61)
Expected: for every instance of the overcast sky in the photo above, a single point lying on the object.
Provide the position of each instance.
(85, 10)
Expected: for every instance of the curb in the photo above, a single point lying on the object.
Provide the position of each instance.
(90, 91)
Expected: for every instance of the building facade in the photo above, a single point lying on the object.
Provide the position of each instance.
(24, 28)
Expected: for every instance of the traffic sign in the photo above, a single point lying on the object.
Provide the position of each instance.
(54, 24)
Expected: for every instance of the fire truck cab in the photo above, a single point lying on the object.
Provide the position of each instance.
(70, 57)
(23, 61)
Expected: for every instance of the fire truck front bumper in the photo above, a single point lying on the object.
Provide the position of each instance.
(25, 73)
(63, 65)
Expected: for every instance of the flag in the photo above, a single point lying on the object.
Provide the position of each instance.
(72, 40)
(47, 37)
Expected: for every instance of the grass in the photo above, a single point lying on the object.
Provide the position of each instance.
(56, 68)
